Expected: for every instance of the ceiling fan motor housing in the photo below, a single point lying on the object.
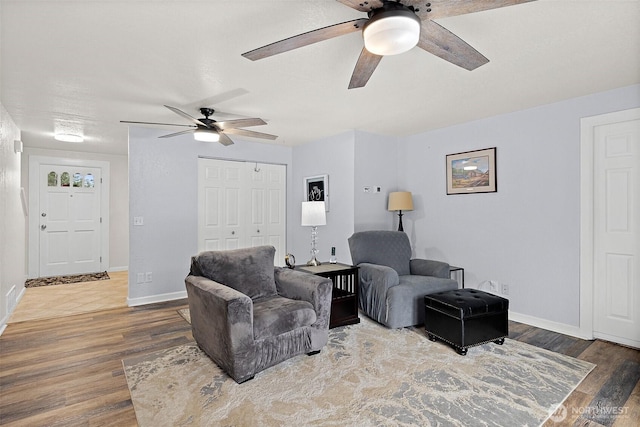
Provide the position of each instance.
(391, 29)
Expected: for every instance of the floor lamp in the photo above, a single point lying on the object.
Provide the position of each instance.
(313, 215)
(400, 201)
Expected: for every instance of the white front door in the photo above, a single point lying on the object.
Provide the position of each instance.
(616, 220)
(69, 220)
(241, 205)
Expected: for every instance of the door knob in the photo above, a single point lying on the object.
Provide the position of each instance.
(42, 227)
(258, 230)
(233, 232)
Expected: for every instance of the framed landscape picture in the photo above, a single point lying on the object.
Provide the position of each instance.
(472, 172)
(316, 189)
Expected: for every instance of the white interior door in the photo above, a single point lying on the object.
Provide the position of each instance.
(616, 220)
(69, 217)
(241, 205)
(219, 204)
(266, 213)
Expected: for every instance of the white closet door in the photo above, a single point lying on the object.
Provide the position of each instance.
(241, 205)
(266, 214)
(220, 188)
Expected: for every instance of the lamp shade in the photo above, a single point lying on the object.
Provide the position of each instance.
(313, 214)
(206, 135)
(391, 32)
(400, 201)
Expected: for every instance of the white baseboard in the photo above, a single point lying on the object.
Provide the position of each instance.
(152, 299)
(3, 322)
(620, 340)
(549, 325)
(125, 268)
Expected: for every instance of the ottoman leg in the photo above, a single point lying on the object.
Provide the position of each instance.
(432, 337)
(500, 341)
(462, 351)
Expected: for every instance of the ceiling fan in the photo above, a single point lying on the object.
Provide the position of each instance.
(394, 27)
(210, 130)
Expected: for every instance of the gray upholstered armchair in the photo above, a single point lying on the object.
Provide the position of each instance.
(392, 285)
(248, 315)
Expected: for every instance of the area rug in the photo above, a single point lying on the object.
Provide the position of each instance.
(367, 375)
(62, 280)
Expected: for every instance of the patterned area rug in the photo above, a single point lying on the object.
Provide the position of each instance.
(367, 375)
(62, 280)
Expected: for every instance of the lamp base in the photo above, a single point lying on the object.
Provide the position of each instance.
(313, 262)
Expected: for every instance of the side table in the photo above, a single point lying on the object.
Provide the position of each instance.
(457, 271)
(344, 299)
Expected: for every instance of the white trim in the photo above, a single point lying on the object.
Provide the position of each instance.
(34, 201)
(152, 299)
(114, 269)
(587, 128)
(549, 325)
(5, 320)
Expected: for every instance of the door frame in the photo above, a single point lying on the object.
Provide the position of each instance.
(587, 143)
(33, 247)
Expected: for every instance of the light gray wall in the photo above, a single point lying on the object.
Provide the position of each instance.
(376, 165)
(118, 198)
(12, 220)
(163, 176)
(333, 156)
(528, 233)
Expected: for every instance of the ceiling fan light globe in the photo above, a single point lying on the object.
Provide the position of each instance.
(391, 32)
(206, 136)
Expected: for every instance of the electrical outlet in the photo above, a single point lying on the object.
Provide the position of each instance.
(140, 278)
(148, 277)
(138, 220)
(505, 289)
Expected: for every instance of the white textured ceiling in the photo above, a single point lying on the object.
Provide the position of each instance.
(82, 66)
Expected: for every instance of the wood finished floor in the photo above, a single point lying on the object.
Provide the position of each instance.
(67, 371)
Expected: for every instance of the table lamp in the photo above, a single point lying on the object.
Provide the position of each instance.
(400, 201)
(313, 215)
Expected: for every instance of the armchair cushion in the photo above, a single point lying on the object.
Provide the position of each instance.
(247, 270)
(276, 315)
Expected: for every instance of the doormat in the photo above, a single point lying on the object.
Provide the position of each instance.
(62, 280)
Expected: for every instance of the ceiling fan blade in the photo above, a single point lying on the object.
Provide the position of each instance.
(225, 140)
(441, 42)
(186, 116)
(250, 133)
(150, 123)
(305, 39)
(445, 8)
(366, 65)
(363, 6)
(239, 123)
(182, 132)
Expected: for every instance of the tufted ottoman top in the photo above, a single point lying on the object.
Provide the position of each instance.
(466, 303)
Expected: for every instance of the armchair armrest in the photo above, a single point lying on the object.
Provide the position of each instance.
(425, 267)
(222, 324)
(375, 281)
(306, 287)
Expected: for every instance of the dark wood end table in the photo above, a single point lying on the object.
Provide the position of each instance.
(344, 299)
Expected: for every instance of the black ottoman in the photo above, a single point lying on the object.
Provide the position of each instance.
(466, 317)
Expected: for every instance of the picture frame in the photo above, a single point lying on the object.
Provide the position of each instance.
(316, 188)
(472, 172)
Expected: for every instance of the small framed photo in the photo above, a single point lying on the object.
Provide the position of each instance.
(472, 172)
(316, 189)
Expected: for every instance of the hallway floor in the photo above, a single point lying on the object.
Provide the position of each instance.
(48, 302)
